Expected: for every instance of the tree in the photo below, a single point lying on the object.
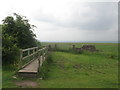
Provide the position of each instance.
(20, 29)
(25, 35)
(17, 33)
(10, 51)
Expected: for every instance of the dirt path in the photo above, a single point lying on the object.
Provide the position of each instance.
(27, 83)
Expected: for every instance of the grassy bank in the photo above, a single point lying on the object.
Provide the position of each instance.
(69, 70)
(81, 71)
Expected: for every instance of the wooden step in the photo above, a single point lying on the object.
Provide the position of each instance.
(30, 70)
(27, 74)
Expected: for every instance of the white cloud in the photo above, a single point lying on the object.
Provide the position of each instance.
(67, 20)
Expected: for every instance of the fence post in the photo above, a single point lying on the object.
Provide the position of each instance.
(37, 52)
(28, 52)
(55, 47)
(21, 56)
(73, 47)
(33, 53)
(39, 58)
(49, 47)
(46, 52)
(41, 61)
(43, 53)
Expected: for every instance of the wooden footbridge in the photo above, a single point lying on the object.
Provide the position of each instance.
(31, 60)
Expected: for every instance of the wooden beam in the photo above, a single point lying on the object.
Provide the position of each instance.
(41, 54)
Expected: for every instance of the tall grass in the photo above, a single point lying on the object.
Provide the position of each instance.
(45, 67)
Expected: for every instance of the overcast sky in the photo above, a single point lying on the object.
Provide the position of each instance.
(67, 20)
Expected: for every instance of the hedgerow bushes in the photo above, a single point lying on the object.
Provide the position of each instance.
(17, 34)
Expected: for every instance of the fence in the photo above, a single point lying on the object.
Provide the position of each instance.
(30, 54)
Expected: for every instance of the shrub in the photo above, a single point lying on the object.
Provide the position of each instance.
(45, 67)
(10, 51)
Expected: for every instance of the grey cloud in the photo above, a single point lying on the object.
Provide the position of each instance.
(45, 18)
(104, 16)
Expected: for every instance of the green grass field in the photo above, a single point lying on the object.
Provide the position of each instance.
(0, 57)
(70, 70)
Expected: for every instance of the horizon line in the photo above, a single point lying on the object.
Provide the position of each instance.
(82, 41)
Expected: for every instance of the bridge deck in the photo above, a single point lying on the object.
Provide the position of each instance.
(30, 68)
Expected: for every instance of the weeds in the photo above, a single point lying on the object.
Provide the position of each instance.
(44, 69)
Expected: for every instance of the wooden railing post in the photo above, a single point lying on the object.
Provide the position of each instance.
(38, 58)
(33, 52)
(39, 54)
(21, 56)
(41, 60)
(28, 52)
(45, 52)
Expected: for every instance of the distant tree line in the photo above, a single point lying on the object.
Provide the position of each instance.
(17, 33)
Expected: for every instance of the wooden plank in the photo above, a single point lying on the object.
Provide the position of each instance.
(29, 55)
(29, 49)
(41, 60)
(40, 50)
(27, 63)
(28, 75)
(32, 67)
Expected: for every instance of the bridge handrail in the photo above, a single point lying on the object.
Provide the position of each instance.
(39, 51)
(28, 49)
